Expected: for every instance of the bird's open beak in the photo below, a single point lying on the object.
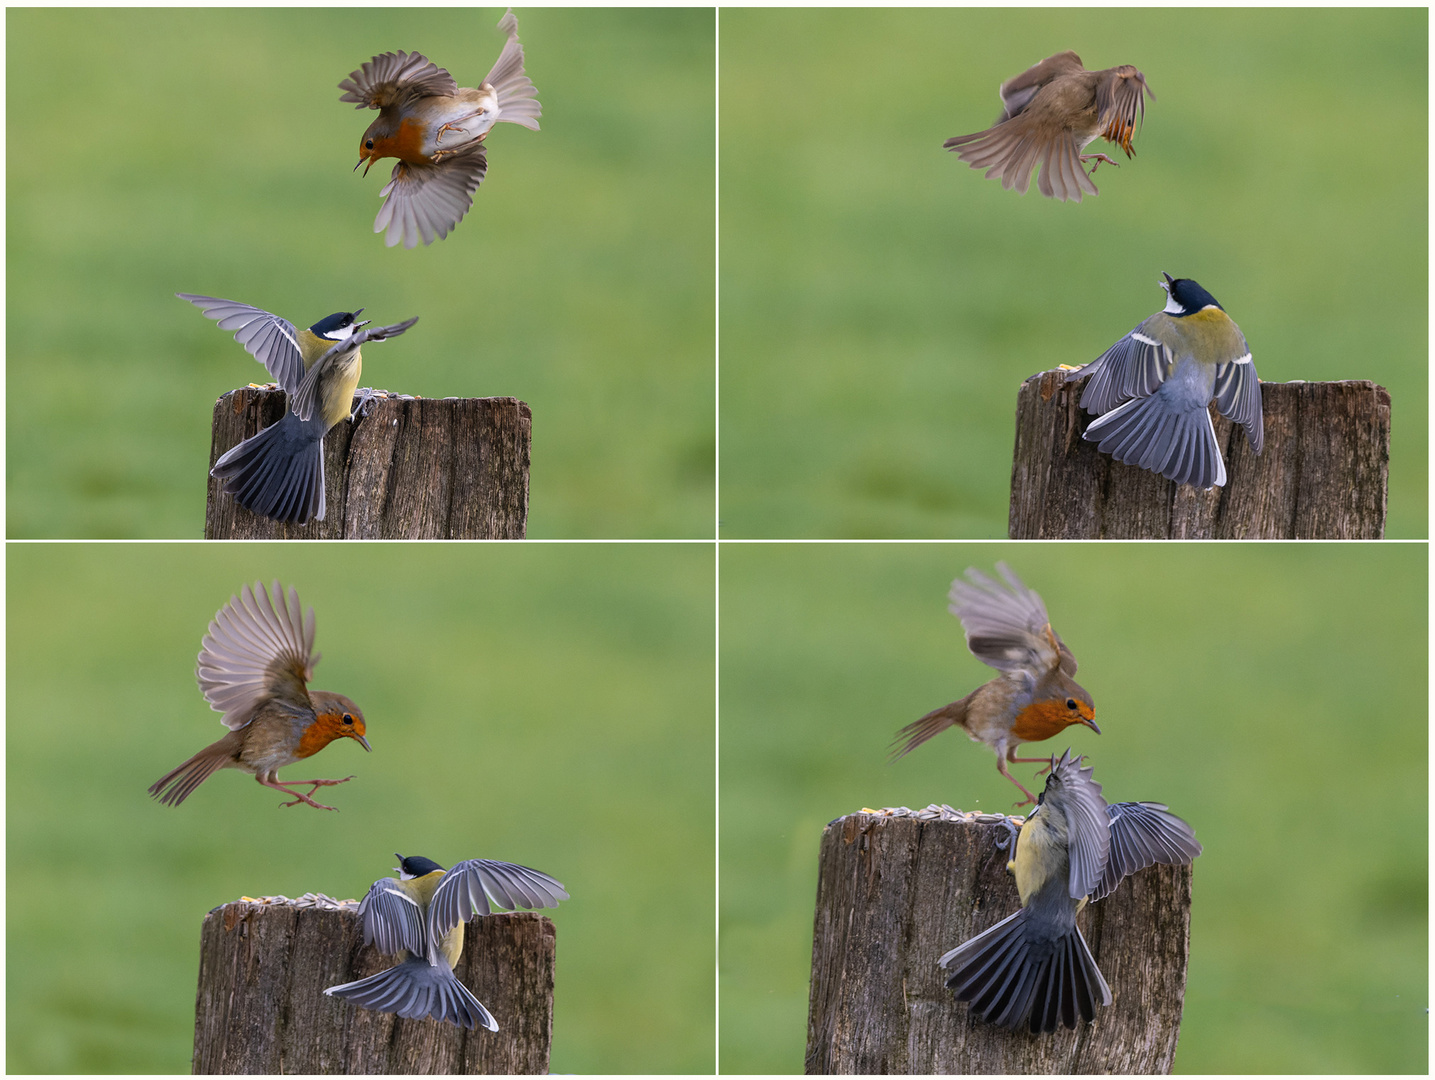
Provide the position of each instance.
(366, 167)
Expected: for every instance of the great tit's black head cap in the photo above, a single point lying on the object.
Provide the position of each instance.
(330, 326)
(416, 865)
(1187, 295)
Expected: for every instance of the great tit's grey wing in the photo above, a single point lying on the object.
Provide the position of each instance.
(1120, 97)
(257, 646)
(305, 399)
(1006, 625)
(1077, 797)
(1017, 92)
(426, 201)
(1238, 397)
(517, 96)
(268, 338)
(1132, 368)
(1143, 834)
(392, 77)
(392, 920)
(467, 889)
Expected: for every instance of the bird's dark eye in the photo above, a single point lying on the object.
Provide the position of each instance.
(1071, 704)
(368, 144)
(348, 718)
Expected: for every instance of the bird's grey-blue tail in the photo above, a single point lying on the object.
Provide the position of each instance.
(1165, 433)
(415, 989)
(1015, 971)
(278, 473)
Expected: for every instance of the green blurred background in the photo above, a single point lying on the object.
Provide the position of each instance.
(1274, 695)
(882, 301)
(547, 704)
(207, 151)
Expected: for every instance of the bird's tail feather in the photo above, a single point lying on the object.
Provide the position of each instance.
(1008, 975)
(517, 96)
(183, 779)
(416, 989)
(278, 473)
(1154, 434)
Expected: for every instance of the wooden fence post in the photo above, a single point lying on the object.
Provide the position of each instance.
(261, 1007)
(896, 892)
(1322, 475)
(412, 469)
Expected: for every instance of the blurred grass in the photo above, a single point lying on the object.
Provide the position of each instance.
(881, 301)
(207, 151)
(1274, 695)
(549, 705)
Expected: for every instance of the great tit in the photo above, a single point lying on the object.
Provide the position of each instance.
(1050, 112)
(279, 473)
(420, 916)
(1034, 967)
(436, 129)
(1033, 698)
(1150, 391)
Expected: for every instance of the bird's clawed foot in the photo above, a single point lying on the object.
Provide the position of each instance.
(364, 405)
(302, 797)
(1098, 158)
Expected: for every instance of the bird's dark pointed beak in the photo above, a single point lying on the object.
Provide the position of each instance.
(1092, 725)
(363, 742)
(1168, 282)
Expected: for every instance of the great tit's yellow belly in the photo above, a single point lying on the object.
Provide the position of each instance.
(1040, 853)
(336, 391)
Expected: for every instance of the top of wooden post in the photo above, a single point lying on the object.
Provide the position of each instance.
(897, 889)
(1323, 474)
(410, 469)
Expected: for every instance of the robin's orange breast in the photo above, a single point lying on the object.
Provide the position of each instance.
(407, 144)
(1041, 720)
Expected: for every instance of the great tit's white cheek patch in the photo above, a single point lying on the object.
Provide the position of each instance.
(1172, 306)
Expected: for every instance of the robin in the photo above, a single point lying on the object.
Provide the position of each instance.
(1035, 696)
(1050, 112)
(254, 667)
(436, 130)
(1150, 391)
(279, 473)
(1034, 967)
(420, 917)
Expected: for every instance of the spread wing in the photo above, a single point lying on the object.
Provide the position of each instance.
(465, 891)
(1006, 626)
(268, 338)
(1132, 368)
(257, 646)
(394, 77)
(392, 920)
(1143, 834)
(428, 200)
(1017, 92)
(1238, 397)
(1120, 102)
(517, 96)
(1087, 830)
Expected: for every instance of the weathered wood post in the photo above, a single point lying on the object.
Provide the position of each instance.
(1322, 475)
(412, 469)
(261, 1007)
(895, 893)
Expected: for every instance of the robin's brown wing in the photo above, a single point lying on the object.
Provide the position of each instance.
(1011, 150)
(258, 646)
(1017, 92)
(426, 201)
(1120, 99)
(1006, 625)
(394, 77)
